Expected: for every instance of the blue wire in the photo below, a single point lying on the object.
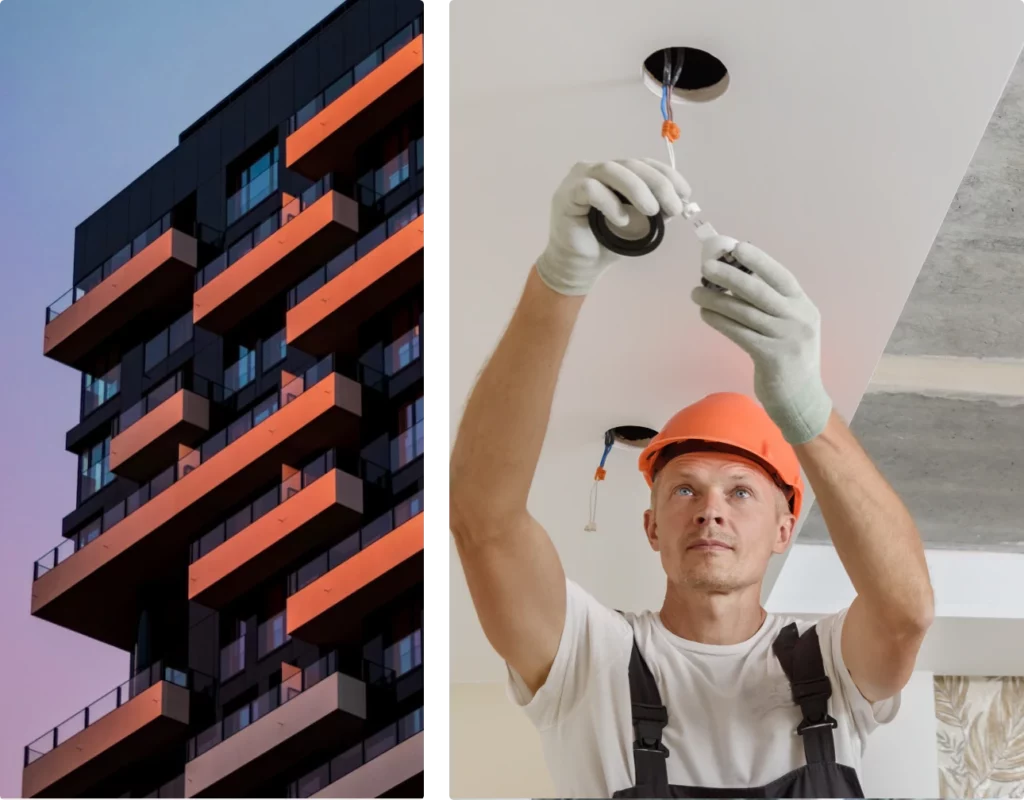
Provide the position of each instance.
(664, 96)
(607, 450)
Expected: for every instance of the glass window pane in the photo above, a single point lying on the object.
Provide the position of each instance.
(367, 65)
(156, 350)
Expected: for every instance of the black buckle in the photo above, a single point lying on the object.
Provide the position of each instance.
(826, 722)
(815, 687)
(650, 746)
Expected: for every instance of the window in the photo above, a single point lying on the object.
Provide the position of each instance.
(406, 654)
(274, 349)
(241, 373)
(257, 182)
(409, 443)
(94, 465)
(402, 352)
(97, 391)
(419, 154)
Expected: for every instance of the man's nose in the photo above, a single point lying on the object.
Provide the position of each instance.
(708, 511)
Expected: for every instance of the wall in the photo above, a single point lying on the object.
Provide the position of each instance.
(495, 751)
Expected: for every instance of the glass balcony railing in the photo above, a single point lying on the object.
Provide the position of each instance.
(354, 543)
(262, 230)
(407, 446)
(189, 462)
(168, 341)
(178, 381)
(315, 468)
(406, 654)
(108, 268)
(98, 391)
(287, 690)
(232, 658)
(115, 698)
(272, 634)
(350, 760)
(259, 188)
(362, 247)
(354, 75)
(377, 183)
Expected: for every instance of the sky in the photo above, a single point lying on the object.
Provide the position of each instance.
(92, 93)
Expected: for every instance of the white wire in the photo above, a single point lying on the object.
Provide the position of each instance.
(671, 153)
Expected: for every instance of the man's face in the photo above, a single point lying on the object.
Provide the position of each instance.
(699, 497)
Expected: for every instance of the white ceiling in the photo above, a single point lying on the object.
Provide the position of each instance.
(844, 134)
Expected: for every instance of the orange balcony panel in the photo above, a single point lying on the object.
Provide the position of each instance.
(328, 142)
(94, 591)
(331, 711)
(386, 772)
(150, 279)
(303, 522)
(317, 234)
(152, 441)
(148, 723)
(332, 604)
(328, 319)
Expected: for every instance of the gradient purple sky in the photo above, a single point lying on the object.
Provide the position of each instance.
(92, 93)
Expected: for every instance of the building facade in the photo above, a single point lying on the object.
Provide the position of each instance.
(247, 318)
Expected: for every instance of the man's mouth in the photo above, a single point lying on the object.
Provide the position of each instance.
(709, 544)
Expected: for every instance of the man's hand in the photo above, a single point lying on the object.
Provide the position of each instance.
(573, 259)
(771, 318)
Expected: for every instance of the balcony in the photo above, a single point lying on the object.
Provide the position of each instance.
(329, 595)
(145, 275)
(142, 717)
(149, 433)
(375, 766)
(327, 307)
(262, 263)
(325, 702)
(326, 132)
(300, 513)
(90, 585)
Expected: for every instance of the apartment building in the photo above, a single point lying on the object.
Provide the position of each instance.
(247, 319)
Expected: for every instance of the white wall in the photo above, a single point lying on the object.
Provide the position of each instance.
(495, 751)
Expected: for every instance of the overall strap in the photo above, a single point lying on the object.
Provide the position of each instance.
(649, 720)
(800, 656)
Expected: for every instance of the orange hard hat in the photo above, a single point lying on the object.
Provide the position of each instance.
(732, 423)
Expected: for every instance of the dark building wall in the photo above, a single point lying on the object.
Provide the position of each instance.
(266, 101)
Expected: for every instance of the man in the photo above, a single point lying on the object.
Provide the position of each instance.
(712, 696)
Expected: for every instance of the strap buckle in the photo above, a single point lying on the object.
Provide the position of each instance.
(825, 722)
(645, 745)
(814, 687)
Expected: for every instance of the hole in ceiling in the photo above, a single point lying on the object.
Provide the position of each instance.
(702, 78)
(631, 435)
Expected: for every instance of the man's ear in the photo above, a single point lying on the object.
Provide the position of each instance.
(651, 529)
(787, 524)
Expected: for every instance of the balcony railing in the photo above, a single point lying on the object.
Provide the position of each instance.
(350, 760)
(168, 341)
(288, 689)
(189, 462)
(406, 654)
(95, 477)
(407, 446)
(166, 390)
(265, 503)
(99, 390)
(108, 268)
(366, 243)
(356, 542)
(262, 230)
(117, 697)
(272, 634)
(354, 75)
(275, 348)
(241, 373)
(259, 188)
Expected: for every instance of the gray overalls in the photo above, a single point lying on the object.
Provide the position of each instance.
(800, 656)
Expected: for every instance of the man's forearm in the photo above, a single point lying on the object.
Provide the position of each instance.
(506, 417)
(872, 530)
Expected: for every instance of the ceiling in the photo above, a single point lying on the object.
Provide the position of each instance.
(840, 164)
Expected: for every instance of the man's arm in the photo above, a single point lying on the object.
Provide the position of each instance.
(882, 552)
(512, 568)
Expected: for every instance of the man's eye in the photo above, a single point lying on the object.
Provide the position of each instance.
(684, 489)
(742, 489)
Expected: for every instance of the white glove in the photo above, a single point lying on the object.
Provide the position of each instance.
(573, 259)
(772, 319)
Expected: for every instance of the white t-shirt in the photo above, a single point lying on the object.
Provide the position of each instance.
(731, 715)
